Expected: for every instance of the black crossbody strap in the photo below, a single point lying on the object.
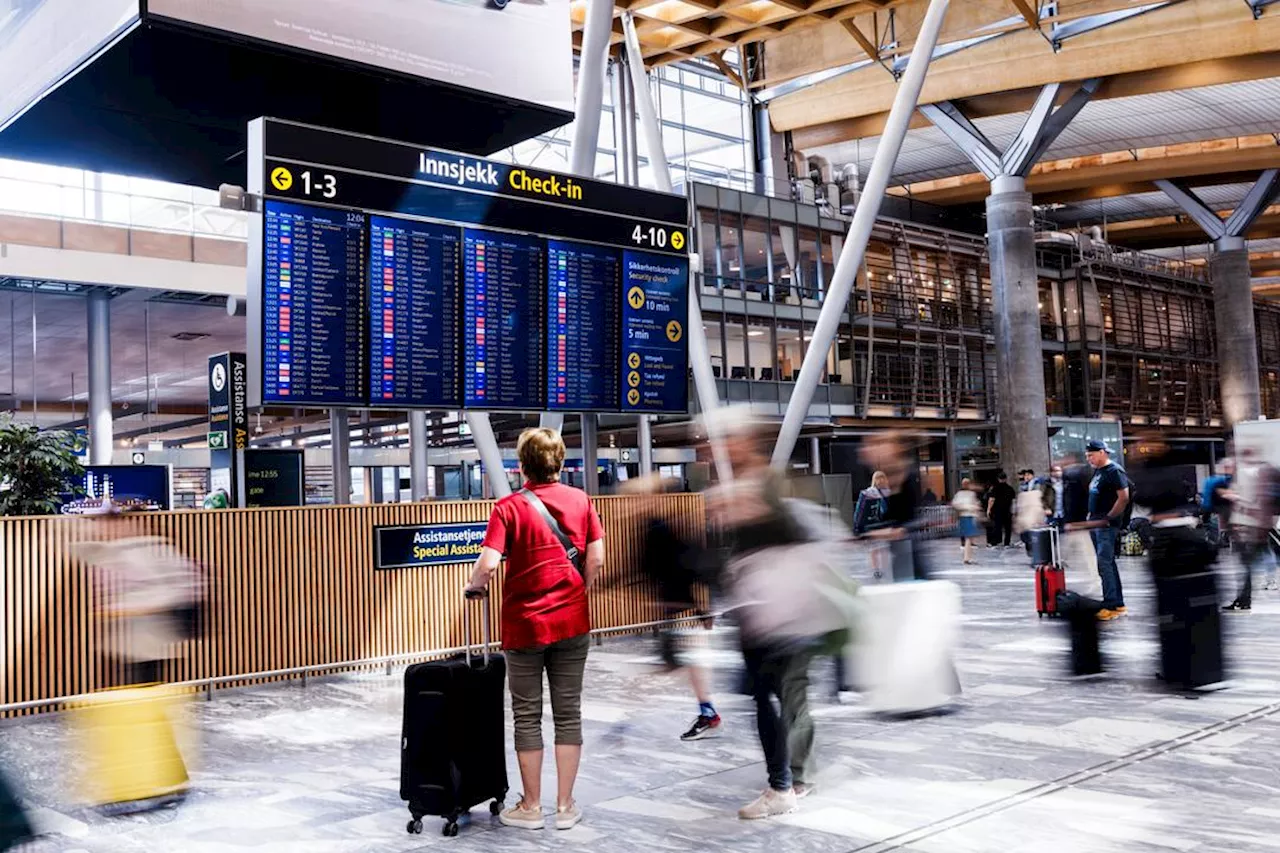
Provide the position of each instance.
(571, 551)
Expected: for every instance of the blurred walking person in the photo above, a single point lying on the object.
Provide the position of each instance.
(672, 566)
(896, 455)
(1255, 502)
(968, 510)
(1000, 500)
(150, 594)
(15, 830)
(554, 546)
(775, 588)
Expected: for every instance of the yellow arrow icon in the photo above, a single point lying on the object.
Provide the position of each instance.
(633, 360)
(635, 298)
(281, 178)
(633, 378)
(677, 240)
(674, 331)
(633, 397)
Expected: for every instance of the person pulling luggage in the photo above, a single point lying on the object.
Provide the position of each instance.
(554, 546)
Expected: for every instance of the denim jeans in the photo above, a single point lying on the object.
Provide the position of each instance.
(767, 673)
(1104, 542)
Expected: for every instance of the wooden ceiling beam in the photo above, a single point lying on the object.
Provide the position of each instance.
(1169, 38)
(1173, 78)
(1030, 15)
(1117, 173)
(1165, 231)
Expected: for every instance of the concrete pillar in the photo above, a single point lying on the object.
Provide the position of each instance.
(418, 487)
(1237, 338)
(340, 437)
(590, 455)
(1024, 426)
(100, 422)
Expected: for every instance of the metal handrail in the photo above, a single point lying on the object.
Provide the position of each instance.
(208, 684)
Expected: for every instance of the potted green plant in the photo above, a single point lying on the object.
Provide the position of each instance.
(37, 467)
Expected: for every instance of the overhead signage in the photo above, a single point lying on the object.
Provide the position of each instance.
(418, 546)
(228, 419)
(388, 275)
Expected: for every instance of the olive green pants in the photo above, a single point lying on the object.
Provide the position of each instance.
(564, 663)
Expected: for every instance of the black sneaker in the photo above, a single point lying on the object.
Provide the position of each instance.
(702, 727)
(1237, 607)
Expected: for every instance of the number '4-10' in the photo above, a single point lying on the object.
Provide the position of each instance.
(651, 235)
(326, 185)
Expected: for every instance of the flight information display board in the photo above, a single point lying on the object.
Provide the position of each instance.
(313, 313)
(389, 275)
(583, 290)
(413, 313)
(502, 292)
(653, 344)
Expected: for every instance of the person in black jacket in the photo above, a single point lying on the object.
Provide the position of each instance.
(1076, 477)
(1181, 562)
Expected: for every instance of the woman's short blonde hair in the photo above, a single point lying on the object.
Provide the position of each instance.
(541, 453)
(879, 477)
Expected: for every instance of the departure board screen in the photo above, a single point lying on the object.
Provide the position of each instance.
(313, 328)
(384, 274)
(502, 324)
(583, 296)
(414, 270)
(654, 314)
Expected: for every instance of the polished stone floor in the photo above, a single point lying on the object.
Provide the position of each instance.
(1031, 761)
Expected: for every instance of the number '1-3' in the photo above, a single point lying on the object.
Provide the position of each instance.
(326, 185)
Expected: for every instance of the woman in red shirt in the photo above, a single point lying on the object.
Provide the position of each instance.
(546, 623)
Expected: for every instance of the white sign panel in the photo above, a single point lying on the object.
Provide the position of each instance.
(521, 49)
(42, 42)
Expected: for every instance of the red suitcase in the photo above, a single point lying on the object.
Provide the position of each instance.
(1050, 577)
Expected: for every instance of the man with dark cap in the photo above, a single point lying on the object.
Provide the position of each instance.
(1108, 500)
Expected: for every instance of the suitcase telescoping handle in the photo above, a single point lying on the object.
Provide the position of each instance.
(486, 634)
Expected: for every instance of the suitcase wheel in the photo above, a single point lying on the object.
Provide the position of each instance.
(449, 830)
(414, 827)
(496, 807)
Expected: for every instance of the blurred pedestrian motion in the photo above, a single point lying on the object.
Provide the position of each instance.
(672, 567)
(791, 604)
(14, 826)
(150, 599)
(1255, 502)
(968, 512)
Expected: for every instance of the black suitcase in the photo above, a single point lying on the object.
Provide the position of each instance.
(452, 746)
(1190, 630)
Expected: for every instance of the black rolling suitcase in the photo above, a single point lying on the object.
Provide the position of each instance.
(452, 749)
(1190, 630)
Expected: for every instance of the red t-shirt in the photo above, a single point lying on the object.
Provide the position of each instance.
(544, 598)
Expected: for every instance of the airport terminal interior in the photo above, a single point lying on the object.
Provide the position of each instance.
(804, 295)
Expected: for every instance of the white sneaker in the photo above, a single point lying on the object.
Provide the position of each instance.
(567, 817)
(769, 804)
(522, 816)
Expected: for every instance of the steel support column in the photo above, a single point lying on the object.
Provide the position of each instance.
(644, 439)
(490, 454)
(815, 455)
(340, 439)
(864, 220)
(100, 422)
(592, 62)
(704, 380)
(418, 458)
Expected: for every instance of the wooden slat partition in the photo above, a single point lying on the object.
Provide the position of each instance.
(289, 588)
